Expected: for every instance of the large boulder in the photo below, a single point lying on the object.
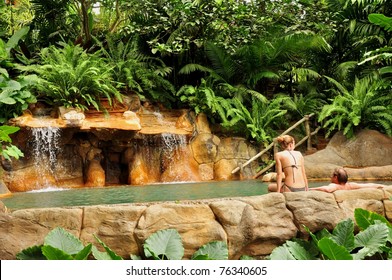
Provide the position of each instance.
(366, 156)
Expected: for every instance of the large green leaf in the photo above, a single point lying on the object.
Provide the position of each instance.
(365, 218)
(215, 250)
(14, 40)
(8, 129)
(164, 244)
(98, 255)
(83, 255)
(372, 239)
(343, 234)
(381, 20)
(386, 70)
(12, 151)
(281, 253)
(52, 253)
(332, 250)
(110, 255)
(63, 240)
(31, 253)
(291, 251)
(299, 252)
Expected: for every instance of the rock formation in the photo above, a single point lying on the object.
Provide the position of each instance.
(251, 226)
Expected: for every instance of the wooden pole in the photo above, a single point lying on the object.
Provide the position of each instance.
(307, 128)
(272, 144)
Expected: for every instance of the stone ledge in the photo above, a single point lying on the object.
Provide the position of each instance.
(251, 226)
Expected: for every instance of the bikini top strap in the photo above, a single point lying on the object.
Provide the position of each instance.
(294, 165)
(295, 161)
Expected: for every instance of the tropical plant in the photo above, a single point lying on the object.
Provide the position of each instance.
(7, 150)
(302, 104)
(165, 244)
(71, 77)
(14, 15)
(59, 244)
(15, 95)
(353, 35)
(138, 73)
(260, 122)
(367, 105)
(53, 21)
(203, 98)
(381, 57)
(175, 26)
(374, 240)
(10, 50)
(281, 58)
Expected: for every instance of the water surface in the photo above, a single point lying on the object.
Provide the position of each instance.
(53, 197)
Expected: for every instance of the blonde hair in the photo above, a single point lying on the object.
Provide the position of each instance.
(285, 140)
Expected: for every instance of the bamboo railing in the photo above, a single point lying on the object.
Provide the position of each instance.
(307, 138)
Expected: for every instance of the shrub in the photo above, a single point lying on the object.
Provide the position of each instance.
(71, 77)
(373, 241)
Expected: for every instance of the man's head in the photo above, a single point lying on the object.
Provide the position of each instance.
(339, 176)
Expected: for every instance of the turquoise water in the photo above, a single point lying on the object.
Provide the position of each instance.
(134, 194)
(52, 197)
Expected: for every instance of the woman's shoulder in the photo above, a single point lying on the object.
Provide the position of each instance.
(281, 154)
(297, 153)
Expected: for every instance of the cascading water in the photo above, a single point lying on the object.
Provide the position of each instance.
(174, 151)
(173, 141)
(45, 149)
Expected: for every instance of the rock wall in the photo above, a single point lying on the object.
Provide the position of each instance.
(251, 226)
(173, 146)
(367, 156)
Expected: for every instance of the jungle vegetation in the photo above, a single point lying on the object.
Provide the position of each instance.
(254, 67)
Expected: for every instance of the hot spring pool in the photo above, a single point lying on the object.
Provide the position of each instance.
(52, 197)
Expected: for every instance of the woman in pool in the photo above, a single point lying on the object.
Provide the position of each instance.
(290, 163)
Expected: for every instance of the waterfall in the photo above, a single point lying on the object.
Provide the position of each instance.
(45, 150)
(173, 153)
(173, 141)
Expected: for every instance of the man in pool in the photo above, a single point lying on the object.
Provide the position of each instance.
(339, 181)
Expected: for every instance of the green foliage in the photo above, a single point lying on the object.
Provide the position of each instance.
(53, 21)
(215, 250)
(167, 245)
(373, 241)
(164, 245)
(380, 58)
(31, 253)
(281, 57)
(381, 20)
(15, 95)
(300, 105)
(58, 245)
(107, 255)
(71, 77)
(260, 122)
(202, 98)
(175, 26)
(14, 17)
(367, 105)
(7, 150)
(138, 73)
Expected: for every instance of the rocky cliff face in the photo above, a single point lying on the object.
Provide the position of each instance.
(251, 226)
(130, 148)
(368, 156)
